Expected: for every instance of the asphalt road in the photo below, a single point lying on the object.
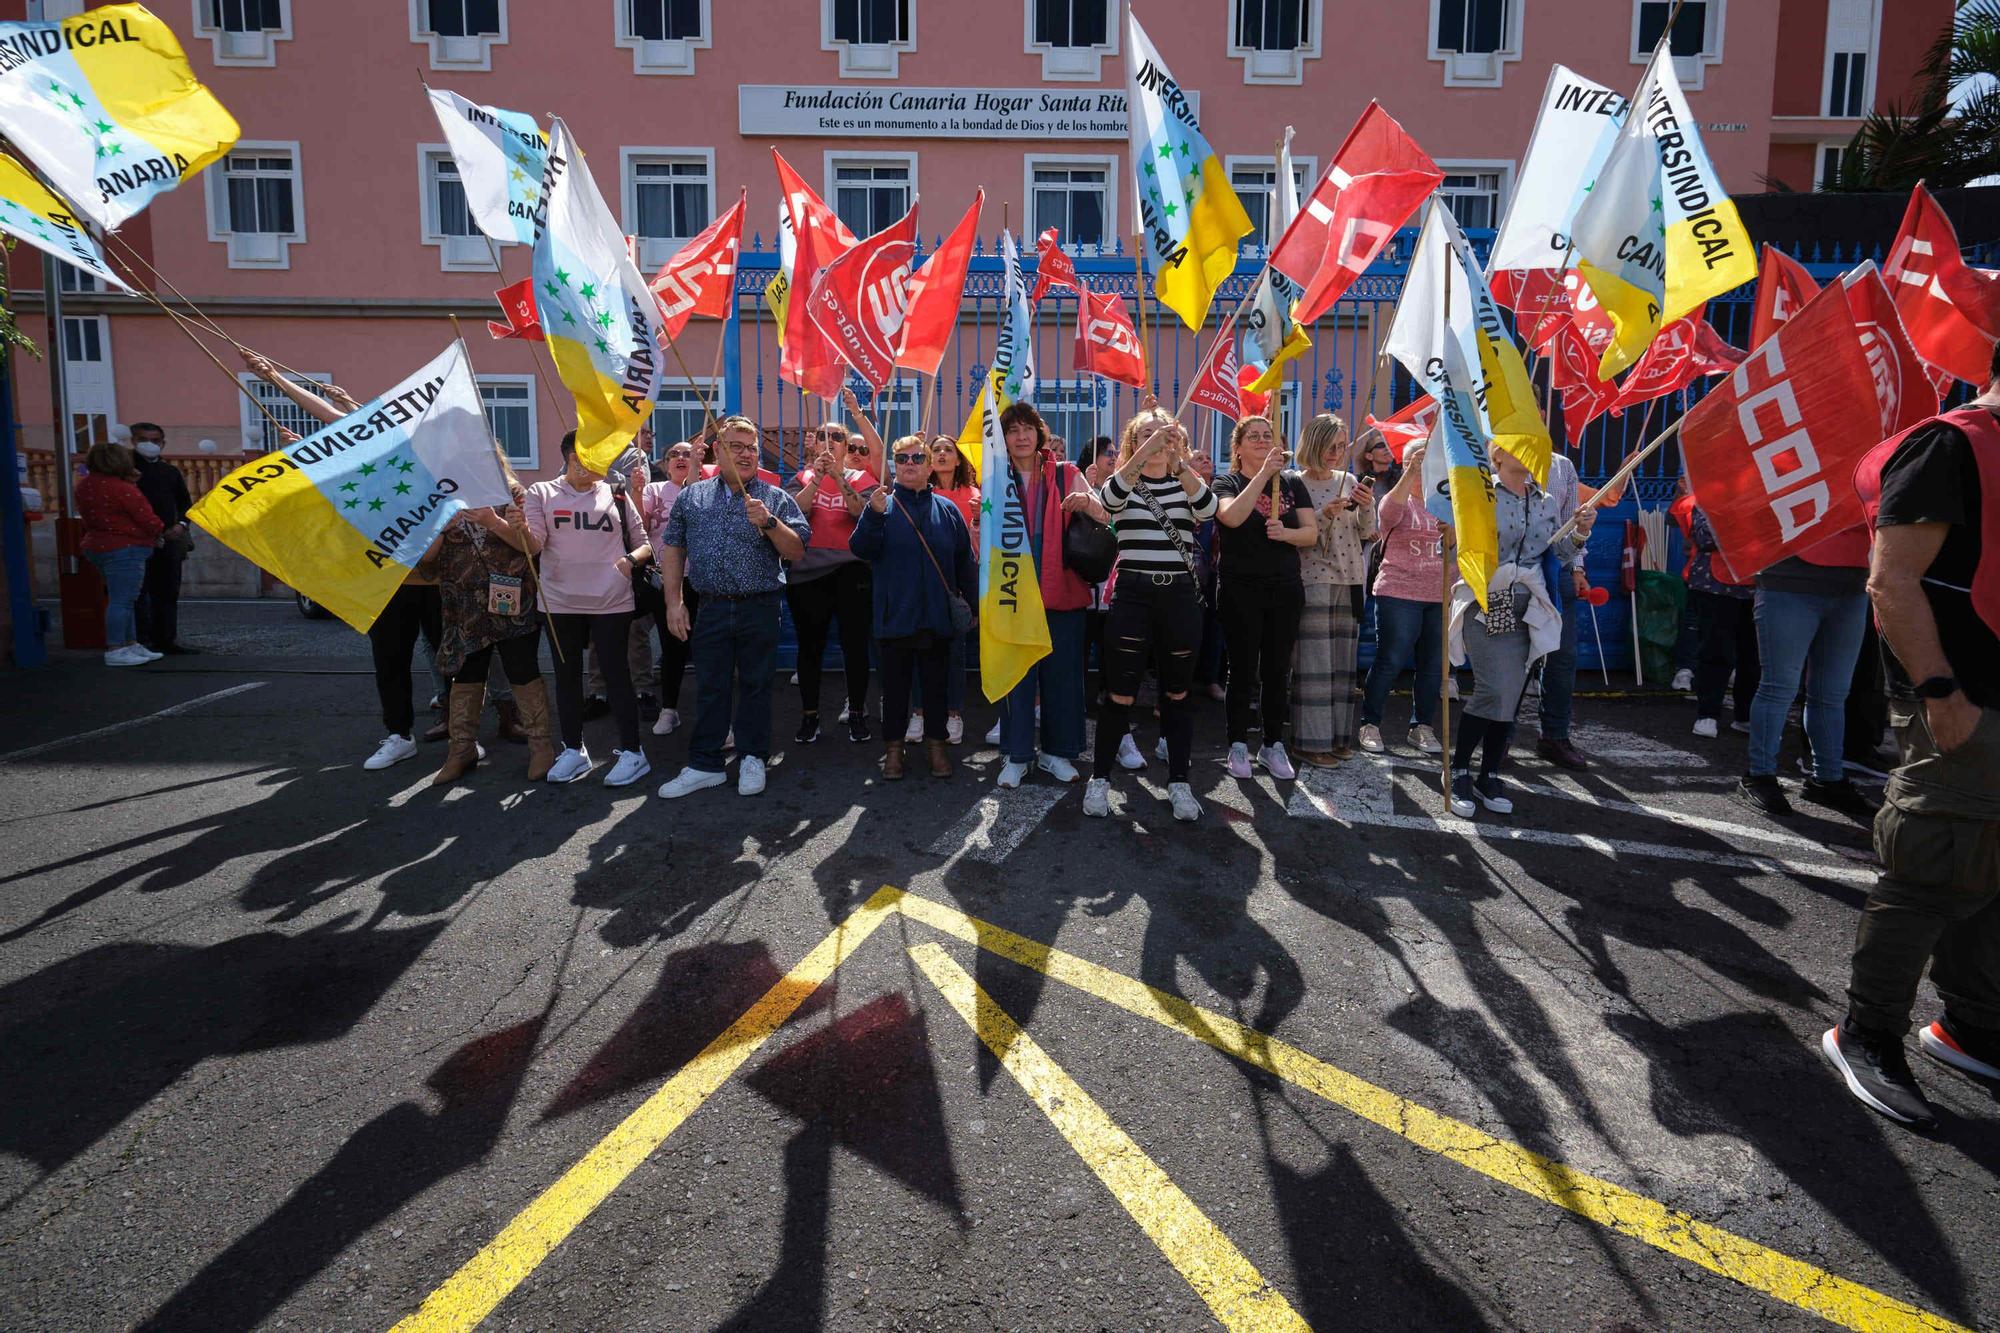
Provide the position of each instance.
(284, 1043)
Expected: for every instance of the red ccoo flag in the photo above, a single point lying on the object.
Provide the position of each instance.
(935, 292)
(818, 238)
(1106, 343)
(517, 303)
(1216, 383)
(1410, 426)
(1903, 388)
(859, 300)
(1771, 451)
(1951, 310)
(1376, 180)
(1783, 288)
(701, 278)
(1053, 266)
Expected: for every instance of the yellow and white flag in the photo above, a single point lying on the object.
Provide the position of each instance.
(1621, 239)
(28, 211)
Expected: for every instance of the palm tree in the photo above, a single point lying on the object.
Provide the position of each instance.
(1948, 134)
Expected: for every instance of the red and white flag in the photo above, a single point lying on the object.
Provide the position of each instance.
(1684, 351)
(1374, 183)
(1573, 369)
(1106, 343)
(818, 238)
(701, 278)
(517, 303)
(1410, 426)
(1904, 390)
(1217, 384)
(1783, 288)
(1951, 310)
(936, 290)
(1771, 451)
(859, 299)
(1053, 266)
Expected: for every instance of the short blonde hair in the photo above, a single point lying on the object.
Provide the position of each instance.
(738, 422)
(1318, 440)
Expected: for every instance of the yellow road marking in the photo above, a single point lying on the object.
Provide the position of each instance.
(471, 1293)
(1212, 1265)
(1677, 1233)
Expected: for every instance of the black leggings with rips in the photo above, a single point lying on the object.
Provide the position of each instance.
(606, 633)
(1157, 623)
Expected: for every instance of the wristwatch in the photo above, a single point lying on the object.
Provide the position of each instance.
(1938, 687)
(769, 523)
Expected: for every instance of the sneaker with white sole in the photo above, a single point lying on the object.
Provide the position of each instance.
(954, 731)
(570, 765)
(392, 750)
(1057, 767)
(1160, 750)
(750, 776)
(668, 720)
(1097, 797)
(130, 655)
(1741, 727)
(627, 767)
(1129, 757)
(1186, 808)
(1969, 1050)
(1683, 680)
(845, 712)
(1011, 773)
(915, 731)
(1706, 728)
(993, 736)
(1464, 802)
(1371, 738)
(147, 653)
(1491, 790)
(1276, 762)
(691, 780)
(1878, 1075)
(1425, 740)
(1239, 760)
(1451, 687)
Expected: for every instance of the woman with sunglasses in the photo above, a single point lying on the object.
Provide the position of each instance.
(831, 582)
(953, 478)
(1156, 499)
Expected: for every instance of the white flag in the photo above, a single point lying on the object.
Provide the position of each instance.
(1574, 132)
(500, 157)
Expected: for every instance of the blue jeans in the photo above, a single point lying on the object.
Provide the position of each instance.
(734, 647)
(1058, 679)
(1816, 636)
(1404, 631)
(1559, 676)
(124, 572)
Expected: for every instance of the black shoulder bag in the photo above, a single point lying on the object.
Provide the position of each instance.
(649, 596)
(1089, 548)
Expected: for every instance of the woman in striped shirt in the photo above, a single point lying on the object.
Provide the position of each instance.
(1155, 499)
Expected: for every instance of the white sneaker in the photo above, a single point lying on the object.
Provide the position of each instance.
(1128, 754)
(691, 780)
(1097, 798)
(1011, 774)
(666, 723)
(843, 712)
(750, 776)
(795, 678)
(1706, 727)
(627, 767)
(1425, 740)
(1186, 808)
(1743, 727)
(993, 736)
(1239, 760)
(954, 731)
(1371, 738)
(130, 655)
(1062, 770)
(914, 732)
(1274, 760)
(1683, 680)
(392, 750)
(1160, 750)
(146, 652)
(570, 765)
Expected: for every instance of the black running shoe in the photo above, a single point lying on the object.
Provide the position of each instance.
(1841, 797)
(1975, 1051)
(1878, 1075)
(808, 729)
(1764, 792)
(857, 725)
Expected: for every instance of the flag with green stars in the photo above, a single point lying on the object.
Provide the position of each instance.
(1183, 205)
(603, 325)
(1621, 241)
(106, 107)
(28, 211)
(345, 514)
(500, 157)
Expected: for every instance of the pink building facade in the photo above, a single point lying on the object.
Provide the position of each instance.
(334, 239)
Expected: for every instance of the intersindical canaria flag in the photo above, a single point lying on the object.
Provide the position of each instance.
(345, 514)
(501, 158)
(602, 323)
(1011, 377)
(1621, 242)
(28, 211)
(1267, 335)
(1190, 217)
(106, 107)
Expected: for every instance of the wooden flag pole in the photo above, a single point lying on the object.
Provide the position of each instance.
(1445, 585)
(1620, 477)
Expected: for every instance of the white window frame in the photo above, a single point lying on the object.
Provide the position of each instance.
(1482, 69)
(456, 254)
(1278, 67)
(1819, 159)
(1503, 166)
(1072, 64)
(1874, 54)
(844, 158)
(460, 53)
(667, 57)
(53, 11)
(1305, 171)
(1107, 162)
(532, 461)
(251, 422)
(866, 60)
(657, 250)
(251, 250)
(1105, 407)
(683, 390)
(253, 49)
(1692, 70)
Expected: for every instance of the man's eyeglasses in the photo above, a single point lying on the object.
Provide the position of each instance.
(913, 458)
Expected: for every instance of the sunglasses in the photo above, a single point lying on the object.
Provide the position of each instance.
(913, 458)
(857, 446)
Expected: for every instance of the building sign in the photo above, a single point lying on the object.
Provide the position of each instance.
(845, 110)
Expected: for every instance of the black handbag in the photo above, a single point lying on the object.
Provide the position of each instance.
(649, 595)
(1089, 548)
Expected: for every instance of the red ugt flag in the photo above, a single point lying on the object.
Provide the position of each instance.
(818, 238)
(1952, 311)
(517, 303)
(701, 278)
(1053, 266)
(1783, 288)
(1106, 343)
(1376, 180)
(1410, 426)
(1216, 383)
(1771, 451)
(936, 290)
(859, 300)
(1684, 350)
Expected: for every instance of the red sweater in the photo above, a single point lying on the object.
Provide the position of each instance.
(115, 514)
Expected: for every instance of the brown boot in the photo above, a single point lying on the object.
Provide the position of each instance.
(533, 701)
(940, 759)
(462, 725)
(892, 762)
(510, 722)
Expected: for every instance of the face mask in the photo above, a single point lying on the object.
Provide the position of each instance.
(147, 449)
